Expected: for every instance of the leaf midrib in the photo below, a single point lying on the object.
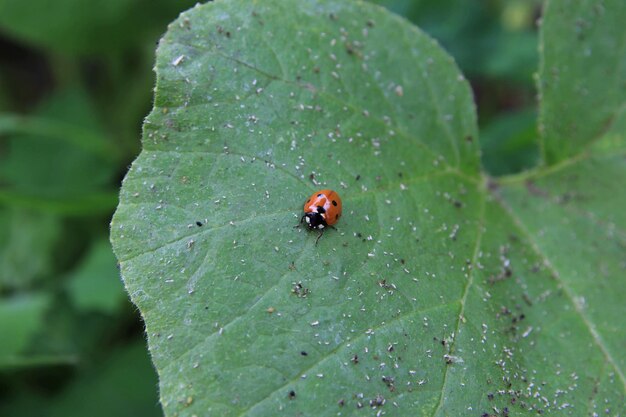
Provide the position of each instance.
(480, 232)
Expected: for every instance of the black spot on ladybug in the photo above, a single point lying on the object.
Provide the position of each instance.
(319, 195)
(334, 203)
(321, 209)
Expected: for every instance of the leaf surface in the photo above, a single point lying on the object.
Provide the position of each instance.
(437, 294)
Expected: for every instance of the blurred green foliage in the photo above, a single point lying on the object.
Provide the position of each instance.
(75, 83)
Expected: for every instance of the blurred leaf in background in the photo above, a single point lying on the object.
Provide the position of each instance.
(95, 27)
(122, 386)
(26, 247)
(75, 83)
(20, 317)
(58, 158)
(94, 285)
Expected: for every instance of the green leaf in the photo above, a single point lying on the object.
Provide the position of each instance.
(121, 384)
(441, 293)
(95, 284)
(26, 247)
(20, 317)
(126, 376)
(509, 143)
(74, 26)
(58, 161)
(582, 81)
(83, 139)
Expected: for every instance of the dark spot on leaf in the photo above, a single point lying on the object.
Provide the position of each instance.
(377, 401)
(300, 290)
(199, 224)
(303, 353)
(492, 185)
(292, 394)
(527, 299)
(387, 380)
(358, 177)
(469, 138)
(534, 190)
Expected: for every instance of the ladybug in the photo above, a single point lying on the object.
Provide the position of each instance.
(322, 210)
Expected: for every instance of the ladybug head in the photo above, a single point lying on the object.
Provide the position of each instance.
(315, 220)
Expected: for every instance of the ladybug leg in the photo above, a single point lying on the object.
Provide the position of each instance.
(301, 221)
(319, 236)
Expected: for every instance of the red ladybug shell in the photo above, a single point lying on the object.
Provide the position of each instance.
(325, 204)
